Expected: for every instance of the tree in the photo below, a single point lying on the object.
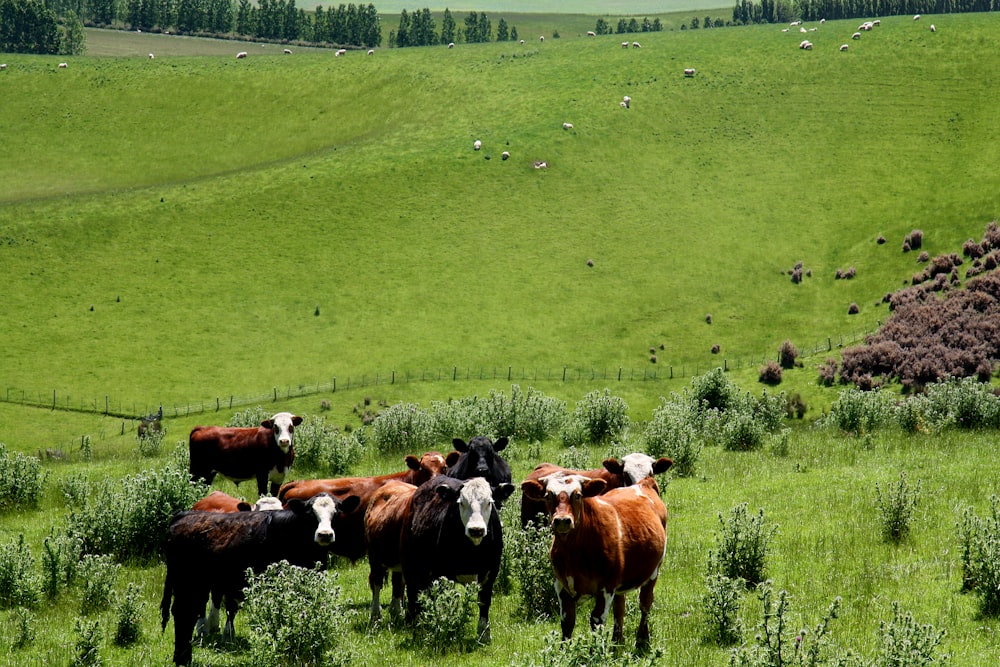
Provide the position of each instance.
(694, 23)
(621, 26)
(447, 27)
(243, 17)
(403, 31)
(503, 34)
(27, 26)
(602, 27)
(513, 34)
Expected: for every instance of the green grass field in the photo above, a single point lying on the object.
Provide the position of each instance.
(191, 228)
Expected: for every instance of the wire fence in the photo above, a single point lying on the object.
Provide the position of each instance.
(132, 412)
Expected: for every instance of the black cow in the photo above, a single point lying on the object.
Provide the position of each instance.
(453, 531)
(479, 458)
(209, 552)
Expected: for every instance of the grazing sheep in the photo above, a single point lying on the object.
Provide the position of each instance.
(371, 52)
(623, 105)
(505, 155)
(451, 45)
(340, 52)
(541, 164)
(63, 65)
(624, 45)
(784, 30)
(933, 29)
(636, 45)
(591, 33)
(689, 72)
(822, 21)
(876, 22)
(3, 66)
(856, 35)
(541, 38)
(567, 126)
(802, 30)
(241, 54)
(806, 45)
(476, 145)
(795, 23)
(522, 42)
(288, 52)
(151, 56)
(627, 101)
(843, 47)
(916, 17)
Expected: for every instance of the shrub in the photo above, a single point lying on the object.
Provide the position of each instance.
(853, 309)
(903, 642)
(980, 554)
(150, 441)
(601, 415)
(60, 562)
(87, 647)
(742, 544)
(403, 428)
(775, 645)
(743, 432)
(25, 628)
(770, 373)
(248, 418)
(524, 415)
(20, 586)
(858, 412)
(787, 354)
(448, 612)
(320, 446)
(915, 239)
(528, 549)
(21, 480)
(896, 507)
(296, 616)
(587, 647)
(713, 391)
(672, 433)
(828, 372)
(74, 488)
(962, 402)
(716, 349)
(795, 406)
(128, 614)
(722, 606)
(98, 584)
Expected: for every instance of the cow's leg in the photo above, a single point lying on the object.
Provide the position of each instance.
(602, 604)
(567, 610)
(485, 601)
(376, 577)
(262, 485)
(619, 609)
(232, 606)
(185, 616)
(645, 604)
(396, 606)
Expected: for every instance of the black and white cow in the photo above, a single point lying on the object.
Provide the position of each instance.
(210, 552)
(479, 458)
(453, 531)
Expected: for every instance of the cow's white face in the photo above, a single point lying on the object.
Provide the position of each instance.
(324, 508)
(637, 466)
(564, 499)
(475, 505)
(283, 425)
(267, 504)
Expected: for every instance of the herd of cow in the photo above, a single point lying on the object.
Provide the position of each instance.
(437, 518)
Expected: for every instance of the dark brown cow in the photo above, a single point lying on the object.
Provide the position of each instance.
(264, 453)
(219, 501)
(351, 526)
(603, 547)
(388, 513)
(615, 473)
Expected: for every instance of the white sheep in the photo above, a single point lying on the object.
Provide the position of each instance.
(340, 52)
(591, 33)
(541, 38)
(856, 35)
(151, 56)
(843, 47)
(627, 101)
(505, 155)
(933, 29)
(567, 126)
(689, 72)
(288, 52)
(241, 54)
(624, 45)
(371, 52)
(63, 65)
(636, 45)
(451, 45)
(522, 42)
(3, 66)
(541, 164)
(916, 17)
(476, 145)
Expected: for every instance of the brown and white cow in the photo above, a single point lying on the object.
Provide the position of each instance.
(264, 453)
(351, 526)
(632, 468)
(220, 501)
(603, 546)
(388, 513)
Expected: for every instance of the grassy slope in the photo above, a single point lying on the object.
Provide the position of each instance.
(222, 201)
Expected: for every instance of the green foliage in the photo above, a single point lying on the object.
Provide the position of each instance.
(742, 432)
(60, 562)
(98, 584)
(129, 612)
(962, 403)
(713, 391)
(722, 607)
(74, 488)
(448, 613)
(522, 416)
(858, 412)
(599, 417)
(904, 642)
(776, 645)
(22, 480)
(25, 629)
(528, 551)
(673, 432)
(87, 647)
(128, 518)
(150, 442)
(249, 418)
(742, 546)
(895, 506)
(587, 647)
(403, 428)
(296, 617)
(20, 585)
(321, 446)
(979, 539)
(28, 26)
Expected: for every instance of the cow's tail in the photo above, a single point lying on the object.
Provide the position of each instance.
(168, 592)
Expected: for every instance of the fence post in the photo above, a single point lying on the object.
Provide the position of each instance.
(619, 373)
(393, 381)
(725, 364)
(671, 372)
(454, 373)
(335, 385)
(508, 374)
(564, 373)
(275, 394)
(53, 399)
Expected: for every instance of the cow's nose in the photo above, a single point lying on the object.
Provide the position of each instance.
(324, 537)
(477, 531)
(562, 524)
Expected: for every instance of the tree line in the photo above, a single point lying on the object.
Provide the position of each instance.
(28, 26)
(783, 11)
(418, 28)
(632, 25)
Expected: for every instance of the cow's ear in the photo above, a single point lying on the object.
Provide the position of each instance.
(452, 459)
(613, 466)
(594, 487)
(412, 462)
(244, 506)
(533, 489)
(296, 420)
(267, 423)
(662, 465)
(502, 492)
(297, 505)
(447, 492)
(500, 443)
(349, 504)
(460, 445)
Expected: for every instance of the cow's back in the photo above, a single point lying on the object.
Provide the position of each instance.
(387, 514)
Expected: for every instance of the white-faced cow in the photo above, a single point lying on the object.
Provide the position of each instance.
(387, 514)
(351, 525)
(212, 551)
(453, 531)
(630, 470)
(264, 453)
(603, 546)
(219, 501)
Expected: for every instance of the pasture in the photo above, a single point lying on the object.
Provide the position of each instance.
(193, 227)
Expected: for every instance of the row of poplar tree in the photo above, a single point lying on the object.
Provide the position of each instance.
(28, 26)
(419, 29)
(783, 11)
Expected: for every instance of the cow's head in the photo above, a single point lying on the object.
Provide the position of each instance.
(267, 504)
(636, 467)
(427, 466)
(283, 426)
(563, 497)
(324, 507)
(480, 456)
(475, 503)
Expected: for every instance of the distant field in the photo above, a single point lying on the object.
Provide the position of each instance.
(595, 7)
